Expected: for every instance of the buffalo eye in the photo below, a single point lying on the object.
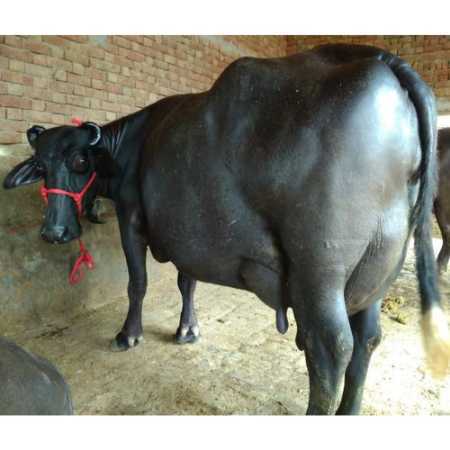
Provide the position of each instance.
(79, 163)
(39, 166)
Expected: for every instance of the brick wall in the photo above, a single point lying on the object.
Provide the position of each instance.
(429, 55)
(50, 79)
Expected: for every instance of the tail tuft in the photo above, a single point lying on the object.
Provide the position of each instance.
(436, 340)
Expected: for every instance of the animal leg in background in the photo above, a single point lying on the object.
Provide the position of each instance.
(188, 330)
(444, 225)
(366, 337)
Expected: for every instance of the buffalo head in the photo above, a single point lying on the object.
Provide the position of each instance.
(65, 158)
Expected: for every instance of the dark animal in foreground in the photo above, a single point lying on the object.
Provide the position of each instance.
(300, 179)
(442, 201)
(29, 384)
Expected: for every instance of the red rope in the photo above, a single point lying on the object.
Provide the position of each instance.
(77, 197)
(76, 274)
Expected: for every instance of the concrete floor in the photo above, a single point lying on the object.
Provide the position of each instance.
(241, 365)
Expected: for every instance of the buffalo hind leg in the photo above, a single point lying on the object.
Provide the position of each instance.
(444, 226)
(134, 244)
(188, 331)
(324, 333)
(366, 337)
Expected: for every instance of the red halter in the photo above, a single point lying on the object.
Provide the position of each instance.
(84, 257)
(77, 197)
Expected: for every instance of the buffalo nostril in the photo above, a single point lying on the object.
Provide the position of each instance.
(54, 234)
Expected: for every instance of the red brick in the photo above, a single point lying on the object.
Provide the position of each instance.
(96, 74)
(108, 106)
(15, 89)
(170, 59)
(95, 103)
(54, 40)
(59, 119)
(41, 60)
(110, 67)
(80, 90)
(57, 52)
(96, 52)
(78, 69)
(60, 75)
(110, 116)
(35, 93)
(11, 101)
(101, 95)
(97, 116)
(4, 62)
(78, 101)
(76, 56)
(38, 105)
(136, 38)
(127, 82)
(97, 84)
(13, 125)
(59, 97)
(16, 77)
(77, 38)
(112, 52)
(61, 86)
(36, 47)
(14, 41)
(113, 77)
(78, 79)
(113, 87)
(10, 137)
(121, 42)
(15, 53)
(38, 116)
(137, 47)
(14, 114)
(40, 71)
(16, 66)
(57, 108)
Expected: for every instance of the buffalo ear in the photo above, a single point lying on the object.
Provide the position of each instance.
(26, 172)
(95, 132)
(33, 133)
(105, 165)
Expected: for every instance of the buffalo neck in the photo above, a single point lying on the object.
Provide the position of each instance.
(123, 140)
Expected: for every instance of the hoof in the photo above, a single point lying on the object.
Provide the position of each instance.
(187, 334)
(123, 342)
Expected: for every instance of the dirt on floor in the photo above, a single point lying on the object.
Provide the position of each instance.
(241, 365)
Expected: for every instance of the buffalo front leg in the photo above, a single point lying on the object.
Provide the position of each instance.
(134, 244)
(188, 331)
(366, 337)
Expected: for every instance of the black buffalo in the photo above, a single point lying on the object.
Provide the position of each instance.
(30, 384)
(300, 179)
(442, 202)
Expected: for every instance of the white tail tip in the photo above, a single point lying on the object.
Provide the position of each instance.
(436, 340)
